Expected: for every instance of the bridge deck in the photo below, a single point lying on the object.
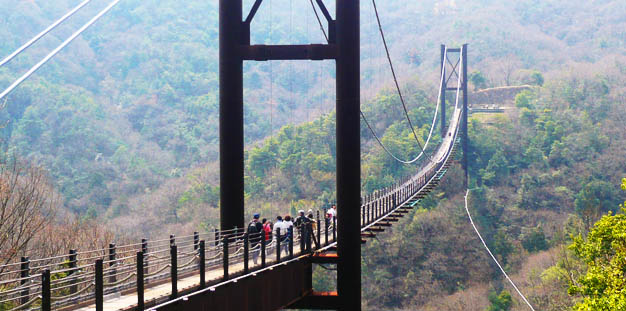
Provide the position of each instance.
(160, 293)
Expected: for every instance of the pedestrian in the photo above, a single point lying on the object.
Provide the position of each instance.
(255, 230)
(288, 222)
(332, 212)
(301, 219)
(267, 228)
(282, 228)
(312, 220)
(289, 227)
(303, 224)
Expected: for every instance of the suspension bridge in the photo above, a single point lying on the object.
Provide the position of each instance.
(219, 270)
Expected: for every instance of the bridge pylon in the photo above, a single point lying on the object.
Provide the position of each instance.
(343, 47)
(455, 69)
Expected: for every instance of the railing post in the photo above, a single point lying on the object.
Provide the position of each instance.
(72, 264)
(262, 234)
(363, 215)
(308, 228)
(172, 240)
(217, 236)
(46, 300)
(24, 274)
(376, 208)
(290, 237)
(174, 270)
(319, 231)
(334, 228)
(302, 238)
(112, 255)
(246, 253)
(202, 249)
(196, 240)
(144, 250)
(140, 284)
(225, 257)
(99, 286)
(278, 246)
(326, 225)
(383, 206)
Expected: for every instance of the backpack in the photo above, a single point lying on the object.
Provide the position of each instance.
(252, 228)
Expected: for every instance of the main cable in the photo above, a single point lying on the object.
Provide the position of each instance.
(395, 79)
(43, 33)
(58, 49)
(365, 118)
(431, 127)
(492, 256)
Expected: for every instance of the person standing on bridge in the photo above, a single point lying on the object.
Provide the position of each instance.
(284, 232)
(332, 212)
(289, 225)
(303, 224)
(267, 228)
(255, 232)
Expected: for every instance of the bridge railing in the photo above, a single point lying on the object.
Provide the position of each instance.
(88, 276)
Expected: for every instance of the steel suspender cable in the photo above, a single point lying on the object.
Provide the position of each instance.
(395, 79)
(43, 33)
(57, 49)
(491, 254)
(318, 20)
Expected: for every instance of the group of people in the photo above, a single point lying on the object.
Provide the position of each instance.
(264, 229)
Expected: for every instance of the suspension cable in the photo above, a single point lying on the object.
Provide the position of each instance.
(319, 20)
(491, 254)
(363, 115)
(58, 49)
(430, 133)
(43, 33)
(395, 79)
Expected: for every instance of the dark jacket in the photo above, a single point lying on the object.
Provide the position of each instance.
(255, 231)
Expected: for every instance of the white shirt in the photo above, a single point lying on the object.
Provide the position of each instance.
(332, 212)
(283, 228)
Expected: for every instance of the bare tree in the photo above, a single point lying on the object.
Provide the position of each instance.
(27, 204)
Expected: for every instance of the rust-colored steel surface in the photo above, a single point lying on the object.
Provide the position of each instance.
(267, 290)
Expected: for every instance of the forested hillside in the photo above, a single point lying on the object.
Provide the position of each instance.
(132, 103)
(125, 123)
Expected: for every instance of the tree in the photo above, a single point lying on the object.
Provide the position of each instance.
(478, 80)
(27, 204)
(536, 78)
(502, 302)
(595, 198)
(522, 100)
(535, 240)
(603, 287)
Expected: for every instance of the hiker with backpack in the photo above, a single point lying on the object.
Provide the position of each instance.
(255, 233)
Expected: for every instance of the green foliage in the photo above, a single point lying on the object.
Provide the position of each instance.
(523, 100)
(497, 170)
(501, 302)
(535, 240)
(502, 246)
(534, 78)
(478, 80)
(595, 198)
(604, 250)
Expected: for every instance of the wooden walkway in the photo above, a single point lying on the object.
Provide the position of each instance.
(161, 293)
